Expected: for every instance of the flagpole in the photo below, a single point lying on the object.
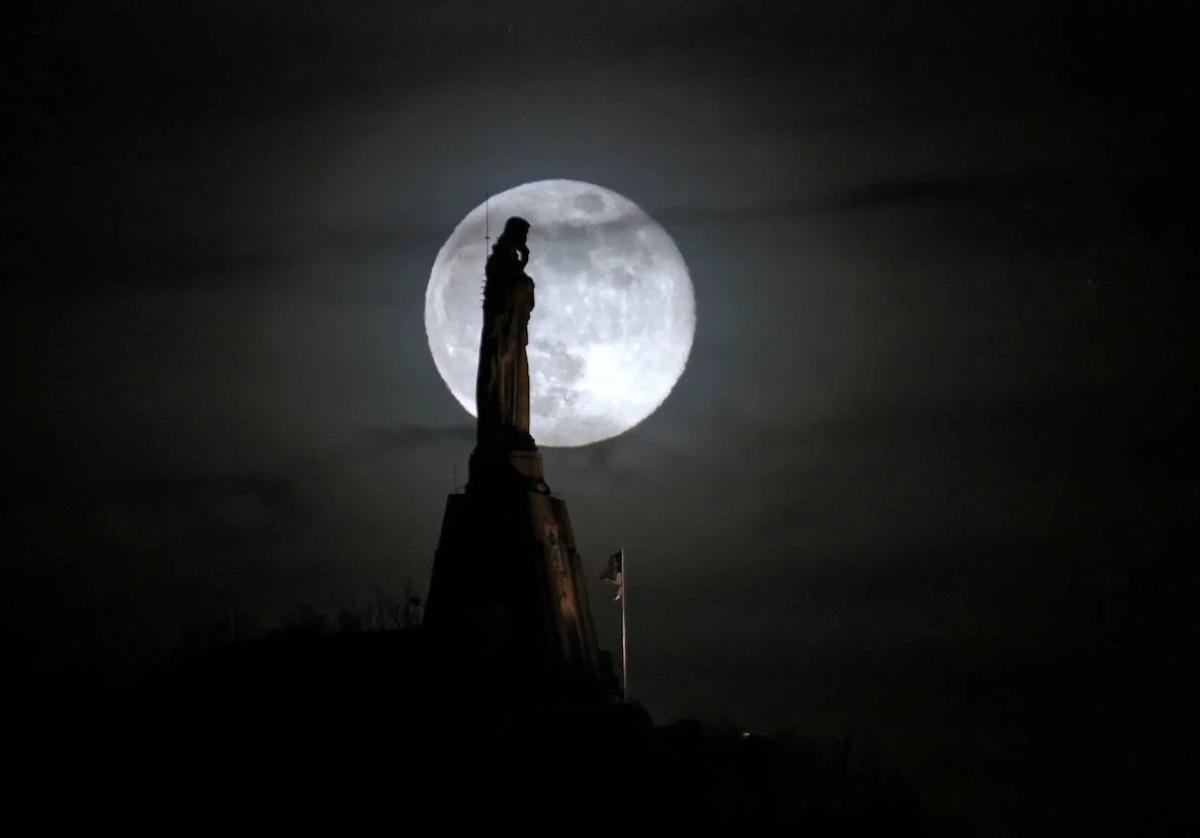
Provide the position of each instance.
(624, 634)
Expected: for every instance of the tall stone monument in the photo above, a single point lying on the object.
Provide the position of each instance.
(507, 593)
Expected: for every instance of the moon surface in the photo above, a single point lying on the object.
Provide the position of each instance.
(614, 315)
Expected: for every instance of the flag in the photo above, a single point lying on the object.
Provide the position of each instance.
(615, 572)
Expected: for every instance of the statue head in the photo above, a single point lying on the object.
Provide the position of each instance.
(515, 231)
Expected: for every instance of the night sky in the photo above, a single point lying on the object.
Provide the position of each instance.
(930, 476)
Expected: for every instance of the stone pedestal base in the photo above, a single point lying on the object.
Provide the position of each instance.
(507, 591)
(500, 470)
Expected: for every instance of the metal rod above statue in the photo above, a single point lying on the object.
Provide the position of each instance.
(502, 383)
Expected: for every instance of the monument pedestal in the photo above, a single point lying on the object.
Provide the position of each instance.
(507, 593)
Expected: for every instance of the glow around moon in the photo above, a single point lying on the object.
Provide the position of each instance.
(615, 311)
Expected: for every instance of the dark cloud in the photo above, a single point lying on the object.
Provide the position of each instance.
(408, 436)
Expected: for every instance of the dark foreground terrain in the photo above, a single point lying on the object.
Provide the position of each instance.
(337, 728)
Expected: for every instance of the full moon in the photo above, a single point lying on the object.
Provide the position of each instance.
(614, 313)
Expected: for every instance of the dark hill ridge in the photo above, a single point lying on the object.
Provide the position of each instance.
(379, 721)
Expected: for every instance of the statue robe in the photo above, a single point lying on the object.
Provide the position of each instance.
(502, 383)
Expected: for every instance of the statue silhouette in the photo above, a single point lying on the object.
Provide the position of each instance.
(508, 595)
(502, 383)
